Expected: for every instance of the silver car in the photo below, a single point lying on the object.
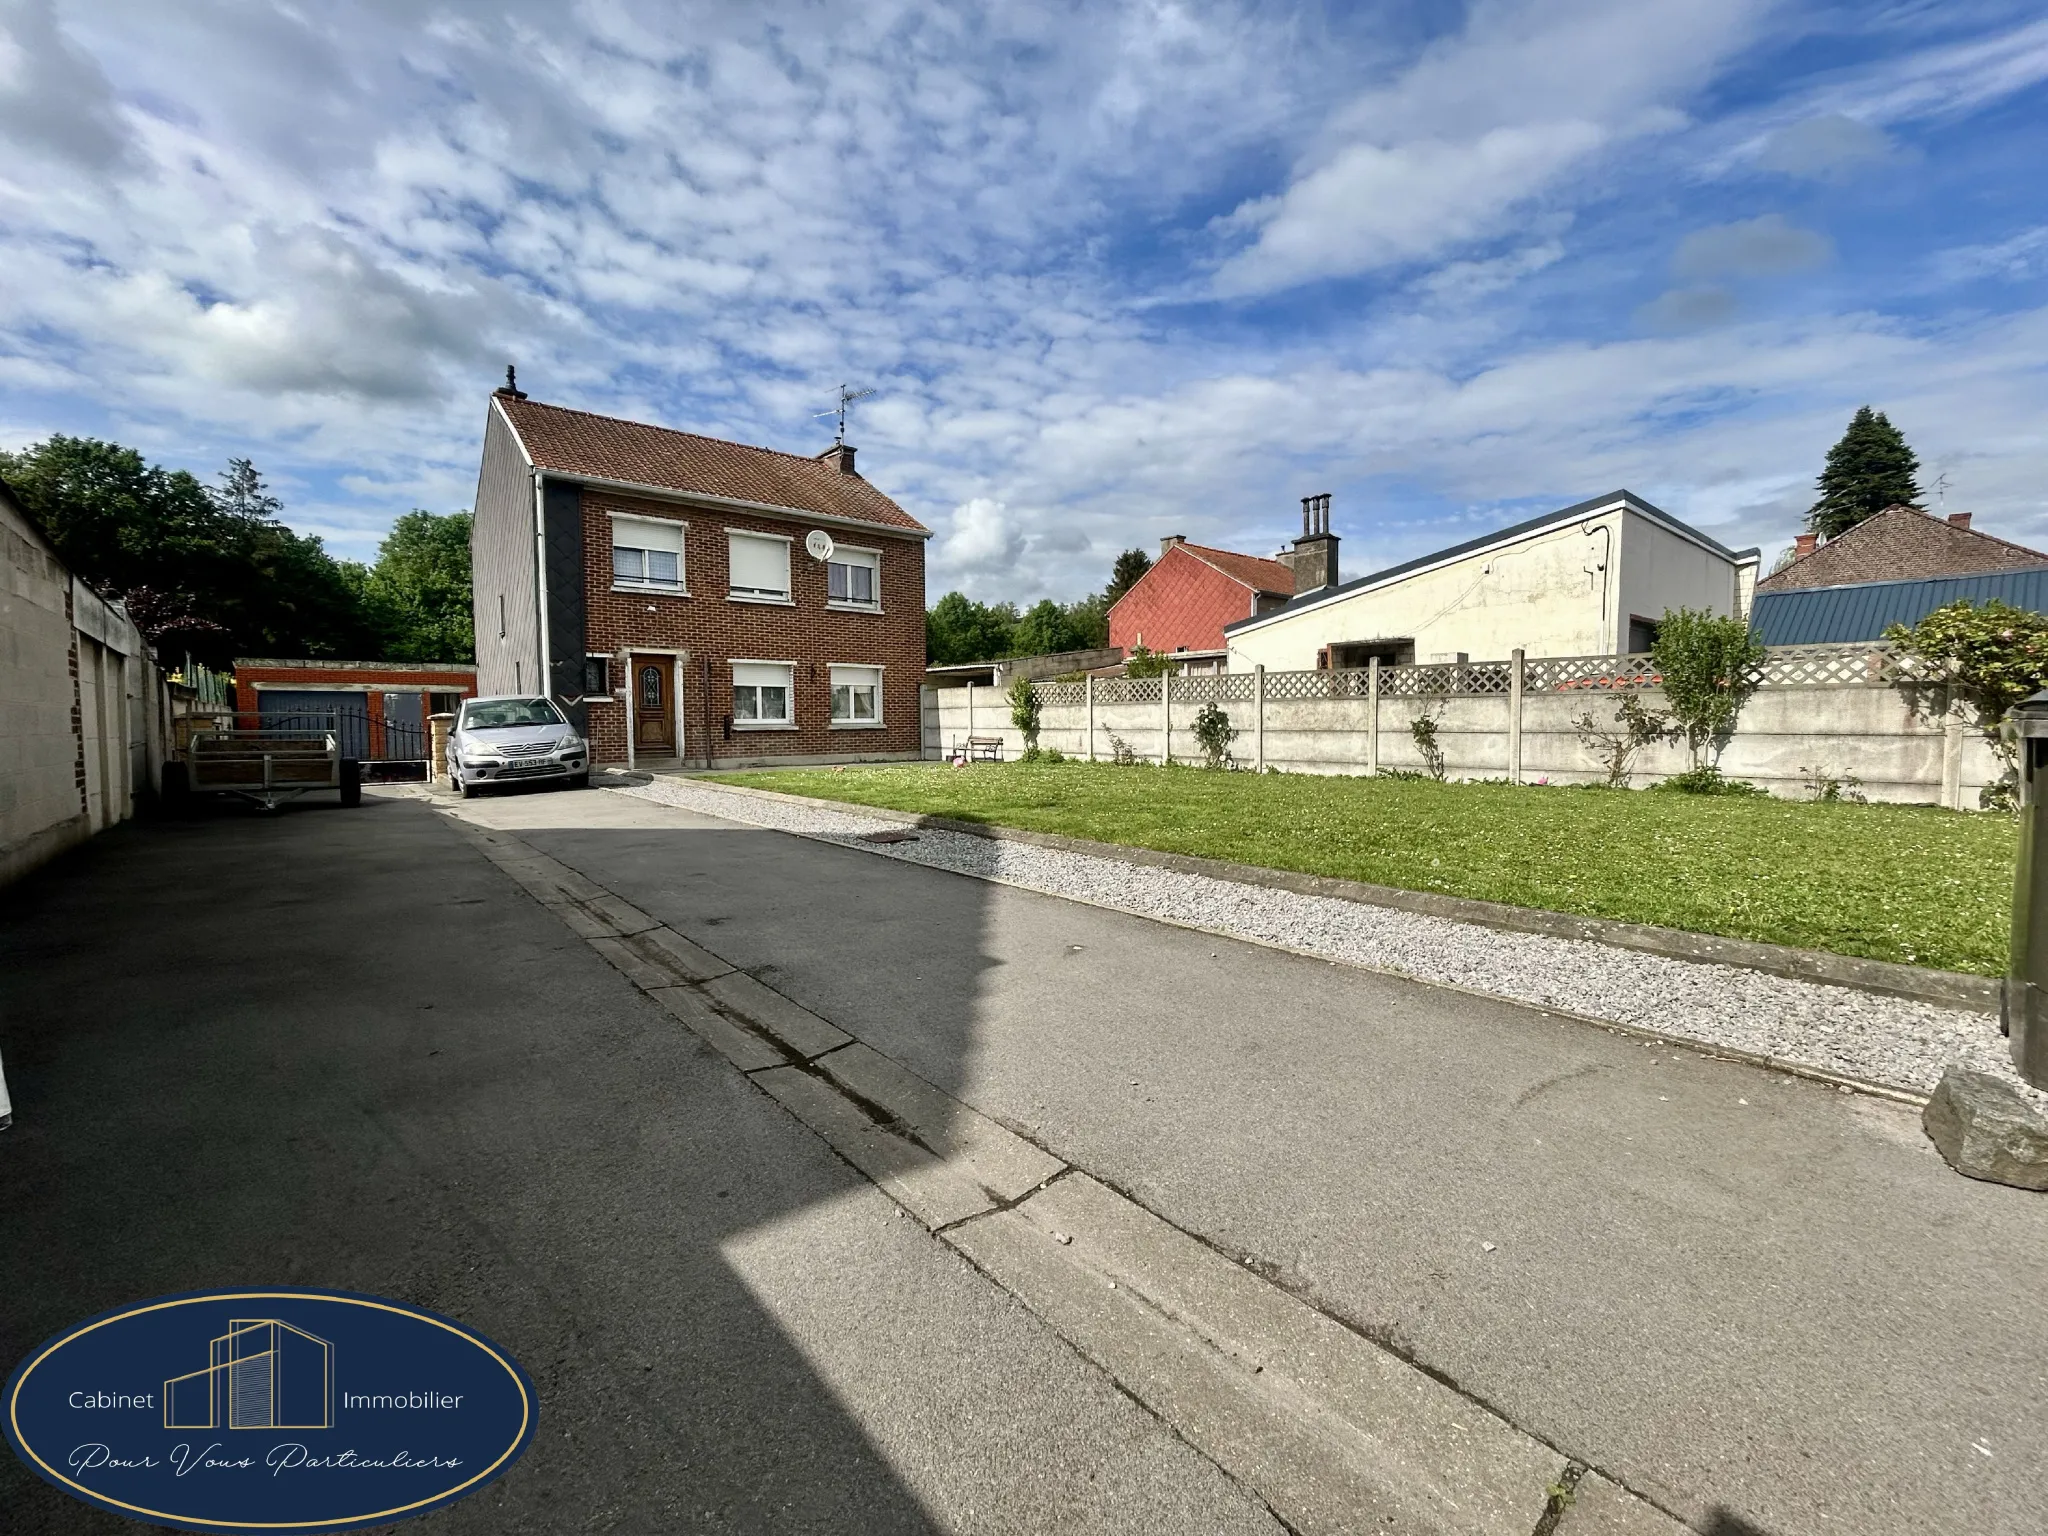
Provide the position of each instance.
(514, 739)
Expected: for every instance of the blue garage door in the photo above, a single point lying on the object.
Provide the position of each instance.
(319, 710)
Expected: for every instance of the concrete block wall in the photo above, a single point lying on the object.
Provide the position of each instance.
(84, 707)
(1906, 745)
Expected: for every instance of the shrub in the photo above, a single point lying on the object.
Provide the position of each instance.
(1144, 663)
(1052, 755)
(1423, 729)
(1616, 751)
(1024, 708)
(1215, 732)
(1834, 784)
(1709, 665)
(1994, 654)
(1709, 780)
(1120, 752)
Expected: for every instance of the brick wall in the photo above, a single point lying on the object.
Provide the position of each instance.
(714, 629)
(1182, 603)
(372, 677)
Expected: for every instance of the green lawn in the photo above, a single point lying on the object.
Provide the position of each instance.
(1906, 883)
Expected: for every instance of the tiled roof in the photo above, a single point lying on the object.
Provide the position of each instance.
(1902, 543)
(577, 443)
(1260, 574)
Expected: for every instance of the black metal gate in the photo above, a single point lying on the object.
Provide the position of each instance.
(389, 748)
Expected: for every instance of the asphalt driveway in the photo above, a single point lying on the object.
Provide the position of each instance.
(339, 1049)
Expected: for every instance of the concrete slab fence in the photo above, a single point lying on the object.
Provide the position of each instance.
(1860, 711)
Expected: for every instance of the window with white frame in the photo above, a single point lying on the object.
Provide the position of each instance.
(761, 692)
(856, 695)
(760, 566)
(647, 554)
(853, 578)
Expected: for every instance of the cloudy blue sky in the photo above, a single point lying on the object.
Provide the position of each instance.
(1116, 270)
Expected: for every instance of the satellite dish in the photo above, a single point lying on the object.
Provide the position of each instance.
(819, 543)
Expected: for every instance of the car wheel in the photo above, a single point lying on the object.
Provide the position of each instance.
(464, 788)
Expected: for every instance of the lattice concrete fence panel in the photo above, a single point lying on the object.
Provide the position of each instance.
(1838, 710)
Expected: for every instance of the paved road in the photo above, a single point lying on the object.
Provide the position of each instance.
(1765, 1305)
(339, 1049)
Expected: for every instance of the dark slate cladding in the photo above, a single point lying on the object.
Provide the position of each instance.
(562, 542)
(1863, 610)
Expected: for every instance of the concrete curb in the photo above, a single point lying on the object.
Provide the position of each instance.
(1950, 989)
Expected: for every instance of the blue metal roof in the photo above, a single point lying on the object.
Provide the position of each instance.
(1862, 610)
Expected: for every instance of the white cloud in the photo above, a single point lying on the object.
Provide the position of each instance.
(1761, 247)
(1477, 129)
(981, 540)
(1829, 147)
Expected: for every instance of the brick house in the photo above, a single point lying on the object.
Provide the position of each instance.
(1179, 607)
(689, 599)
(1900, 544)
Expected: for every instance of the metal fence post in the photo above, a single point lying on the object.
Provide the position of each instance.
(1259, 718)
(1088, 696)
(1372, 717)
(1517, 671)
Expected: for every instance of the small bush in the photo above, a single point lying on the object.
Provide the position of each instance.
(1833, 784)
(1709, 780)
(1024, 710)
(1144, 663)
(1215, 732)
(1120, 752)
(1052, 755)
(1616, 749)
(1423, 729)
(1030, 754)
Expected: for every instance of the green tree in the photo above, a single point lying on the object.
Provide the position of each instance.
(1088, 622)
(1130, 565)
(418, 592)
(1709, 666)
(957, 628)
(1871, 468)
(1144, 663)
(1025, 707)
(214, 571)
(1043, 630)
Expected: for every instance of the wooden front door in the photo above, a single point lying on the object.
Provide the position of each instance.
(654, 706)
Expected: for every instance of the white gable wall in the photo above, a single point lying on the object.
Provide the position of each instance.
(1541, 592)
(1662, 571)
(1568, 589)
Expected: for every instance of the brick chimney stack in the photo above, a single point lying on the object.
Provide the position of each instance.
(840, 457)
(1314, 556)
(1804, 545)
(1169, 541)
(1959, 519)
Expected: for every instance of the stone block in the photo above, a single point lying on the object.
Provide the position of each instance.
(1987, 1130)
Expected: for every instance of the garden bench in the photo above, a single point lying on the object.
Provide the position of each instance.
(982, 749)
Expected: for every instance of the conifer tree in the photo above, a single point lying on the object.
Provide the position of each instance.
(1871, 468)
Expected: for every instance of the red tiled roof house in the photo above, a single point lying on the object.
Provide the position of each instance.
(682, 597)
(1190, 593)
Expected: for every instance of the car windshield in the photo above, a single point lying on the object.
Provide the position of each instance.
(497, 714)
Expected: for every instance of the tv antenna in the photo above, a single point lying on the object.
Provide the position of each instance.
(847, 395)
(1941, 488)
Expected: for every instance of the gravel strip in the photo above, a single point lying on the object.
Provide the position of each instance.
(1892, 1041)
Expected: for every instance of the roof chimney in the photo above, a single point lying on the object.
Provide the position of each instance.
(1959, 519)
(511, 390)
(1314, 556)
(1169, 541)
(1804, 544)
(840, 457)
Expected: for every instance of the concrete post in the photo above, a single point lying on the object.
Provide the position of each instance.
(632, 731)
(1517, 672)
(1259, 718)
(1165, 718)
(970, 703)
(1952, 765)
(1088, 697)
(1372, 716)
(437, 730)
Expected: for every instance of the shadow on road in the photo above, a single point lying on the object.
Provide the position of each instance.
(344, 1051)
